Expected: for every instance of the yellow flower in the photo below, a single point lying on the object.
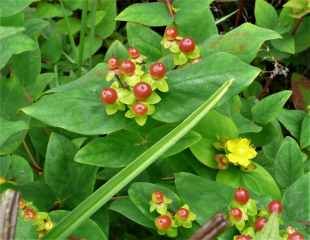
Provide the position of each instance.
(240, 152)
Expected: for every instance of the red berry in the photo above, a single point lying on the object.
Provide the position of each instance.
(242, 196)
(163, 222)
(133, 53)
(139, 109)
(243, 237)
(142, 90)
(157, 70)
(113, 63)
(236, 214)
(187, 45)
(295, 236)
(127, 67)
(183, 213)
(109, 95)
(275, 206)
(158, 197)
(260, 223)
(171, 33)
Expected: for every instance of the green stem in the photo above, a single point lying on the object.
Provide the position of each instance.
(32, 160)
(71, 39)
(82, 36)
(93, 26)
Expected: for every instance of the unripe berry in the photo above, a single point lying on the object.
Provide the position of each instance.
(163, 222)
(275, 206)
(187, 45)
(182, 213)
(158, 197)
(127, 67)
(236, 214)
(260, 223)
(171, 33)
(244, 237)
(133, 53)
(142, 90)
(157, 70)
(295, 236)
(139, 109)
(108, 95)
(242, 196)
(113, 63)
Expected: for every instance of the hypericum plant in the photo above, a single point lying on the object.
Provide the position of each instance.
(251, 220)
(168, 223)
(183, 49)
(134, 87)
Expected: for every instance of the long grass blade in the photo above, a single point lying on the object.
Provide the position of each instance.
(126, 175)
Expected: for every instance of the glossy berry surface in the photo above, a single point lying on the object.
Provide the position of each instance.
(171, 33)
(260, 223)
(187, 45)
(108, 95)
(157, 70)
(158, 197)
(139, 109)
(113, 63)
(275, 206)
(295, 236)
(133, 53)
(142, 90)
(242, 196)
(183, 213)
(127, 67)
(244, 237)
(236, 214)
(163, 222)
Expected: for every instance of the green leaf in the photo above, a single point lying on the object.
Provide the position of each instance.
(52, 47)
(116, 49)
(129, 210)
(270, 230)
(51, 10)
(292, 121)
(258, 181)
(74, 23)
(12, 7)
(71, 182)
(265, 14)
(150, 14)
(244, 41)
(288, 163)
(25, 229)
(27, 75)
(14, 45)
(305, 132)
(296, 203)
(197, 191)
(107, 25)
(15, 168)
(88, 230)
(100, 151)
(120, 180)
(9, 31)
(245, 125)
(91, 46)
(195, 19)
(285, 44)
(302, 37)
(12, 134)
(270, 107)
(145, 40)
(189, 86)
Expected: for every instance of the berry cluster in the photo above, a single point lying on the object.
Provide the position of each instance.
(134, 86)
(40, 220)
(249, 220)
(167, 223)
(183, 49)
